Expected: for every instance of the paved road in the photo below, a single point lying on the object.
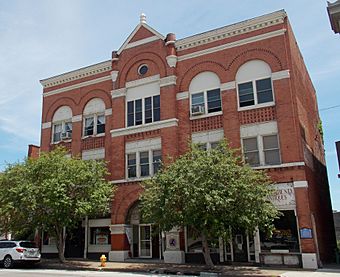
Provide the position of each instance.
(318, 273)
(67, 273)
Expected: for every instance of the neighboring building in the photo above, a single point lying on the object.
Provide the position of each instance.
(336, 216)
(246, 82)
(333, 10)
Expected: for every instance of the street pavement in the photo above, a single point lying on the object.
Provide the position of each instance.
(68, 273)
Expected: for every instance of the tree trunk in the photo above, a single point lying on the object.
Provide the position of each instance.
(206, 252)
(61, 244)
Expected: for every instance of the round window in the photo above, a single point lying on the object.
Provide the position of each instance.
(142, 69)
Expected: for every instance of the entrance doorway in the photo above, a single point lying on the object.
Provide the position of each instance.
(145, 241)
(240, 247)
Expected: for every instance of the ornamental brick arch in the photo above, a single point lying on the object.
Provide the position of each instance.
(125, 197)
(65, 101)
(200, 67)
(88, 96)
(254, 54)
(129, 72)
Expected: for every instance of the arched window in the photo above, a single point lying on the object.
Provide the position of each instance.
(254, 84)
(94, 117)
(62, 124)
(205, 94)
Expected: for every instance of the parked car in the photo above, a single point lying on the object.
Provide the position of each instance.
(13, 252)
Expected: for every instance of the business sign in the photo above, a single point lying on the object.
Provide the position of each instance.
(306, 233)
(283, 197)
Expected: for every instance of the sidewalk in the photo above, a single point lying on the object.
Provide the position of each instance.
(184, 269)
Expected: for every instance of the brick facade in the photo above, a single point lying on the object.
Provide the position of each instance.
(223, 51)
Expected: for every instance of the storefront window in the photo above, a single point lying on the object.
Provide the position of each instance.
(100, 235)
(285, 235)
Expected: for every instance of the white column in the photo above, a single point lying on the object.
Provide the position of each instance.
(86, 236)
(257, 244)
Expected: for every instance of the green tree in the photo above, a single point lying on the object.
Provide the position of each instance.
(52, 192)
(213, 192)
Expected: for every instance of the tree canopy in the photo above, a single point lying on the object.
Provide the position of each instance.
(52, 192)
(213, 192)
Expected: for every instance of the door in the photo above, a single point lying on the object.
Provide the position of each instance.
(240, 247)
(145, 241)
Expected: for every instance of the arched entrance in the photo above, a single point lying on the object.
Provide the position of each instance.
(145, 239)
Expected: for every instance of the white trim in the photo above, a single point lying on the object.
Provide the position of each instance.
(255, 106)
(168, 81)
(145, 128)
(141, 42)
(232, 44)
(80, 85)
(114, 75)
(279, 165)
(118, 93)
(126, 42)
(144, 81)
(143, 145)
(77, 74)
(77, 118)
(117, 229)
(246, 26)
(122, 181)
(300, 184)
(108, 112)
(93, 154)
(171, 60)
(182, 95)
(208, 136)
(206, 115)
(46, 125)
(278, 75)
(228, 86)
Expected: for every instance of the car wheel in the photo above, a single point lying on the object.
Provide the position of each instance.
(8, 262)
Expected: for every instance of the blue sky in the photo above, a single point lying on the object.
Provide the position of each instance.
(40, 39)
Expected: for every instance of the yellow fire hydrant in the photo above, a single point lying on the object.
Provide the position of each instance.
(103, 260)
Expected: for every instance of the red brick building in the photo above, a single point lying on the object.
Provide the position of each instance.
(246, 82)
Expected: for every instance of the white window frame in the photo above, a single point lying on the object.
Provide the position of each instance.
(259, 139)
(138, 165)
(63, 129)
(143, 111)
(95, 117)
(256, 105)
(205, 96)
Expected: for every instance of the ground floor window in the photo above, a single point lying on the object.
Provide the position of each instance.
(194, 242)
(100, 235)
(285, 235)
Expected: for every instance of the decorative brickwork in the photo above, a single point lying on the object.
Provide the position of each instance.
(208, 123)
(92, 143)
(67, 145)
(257, 115)
(143, 135)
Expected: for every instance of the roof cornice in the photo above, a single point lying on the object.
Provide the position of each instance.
(77, 74)
(246, 26)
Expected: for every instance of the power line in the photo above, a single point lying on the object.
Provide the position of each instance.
(328, 108)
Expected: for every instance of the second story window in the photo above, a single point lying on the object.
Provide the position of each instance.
(143, 111)
(143, 163)
(94, 125)
(261, 150)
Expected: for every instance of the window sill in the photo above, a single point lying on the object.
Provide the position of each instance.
(205, 115)
(278, 165)
(258, 106)
(61, 141)
(93, 136)
(137, 179)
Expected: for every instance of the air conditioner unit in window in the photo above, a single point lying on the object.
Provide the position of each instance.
(66, 135)
(197, 110)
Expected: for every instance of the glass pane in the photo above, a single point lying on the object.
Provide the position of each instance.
(197, 99)
(264, 91)
(214, 145)
(57, 132)
(156, 101)
(68, 127)
(252, 158)
(270, 142)
(130, 113)
(157, 158)
(272, 156)
(144, 157)
(214, 100)
(246, 95)
(145, 232)
(132, 159)
(131, 165)
(89, 126)
(145, 248)
(139, 116)
(144, 163)
(100, 124)
(148, 110)
(250, 144)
